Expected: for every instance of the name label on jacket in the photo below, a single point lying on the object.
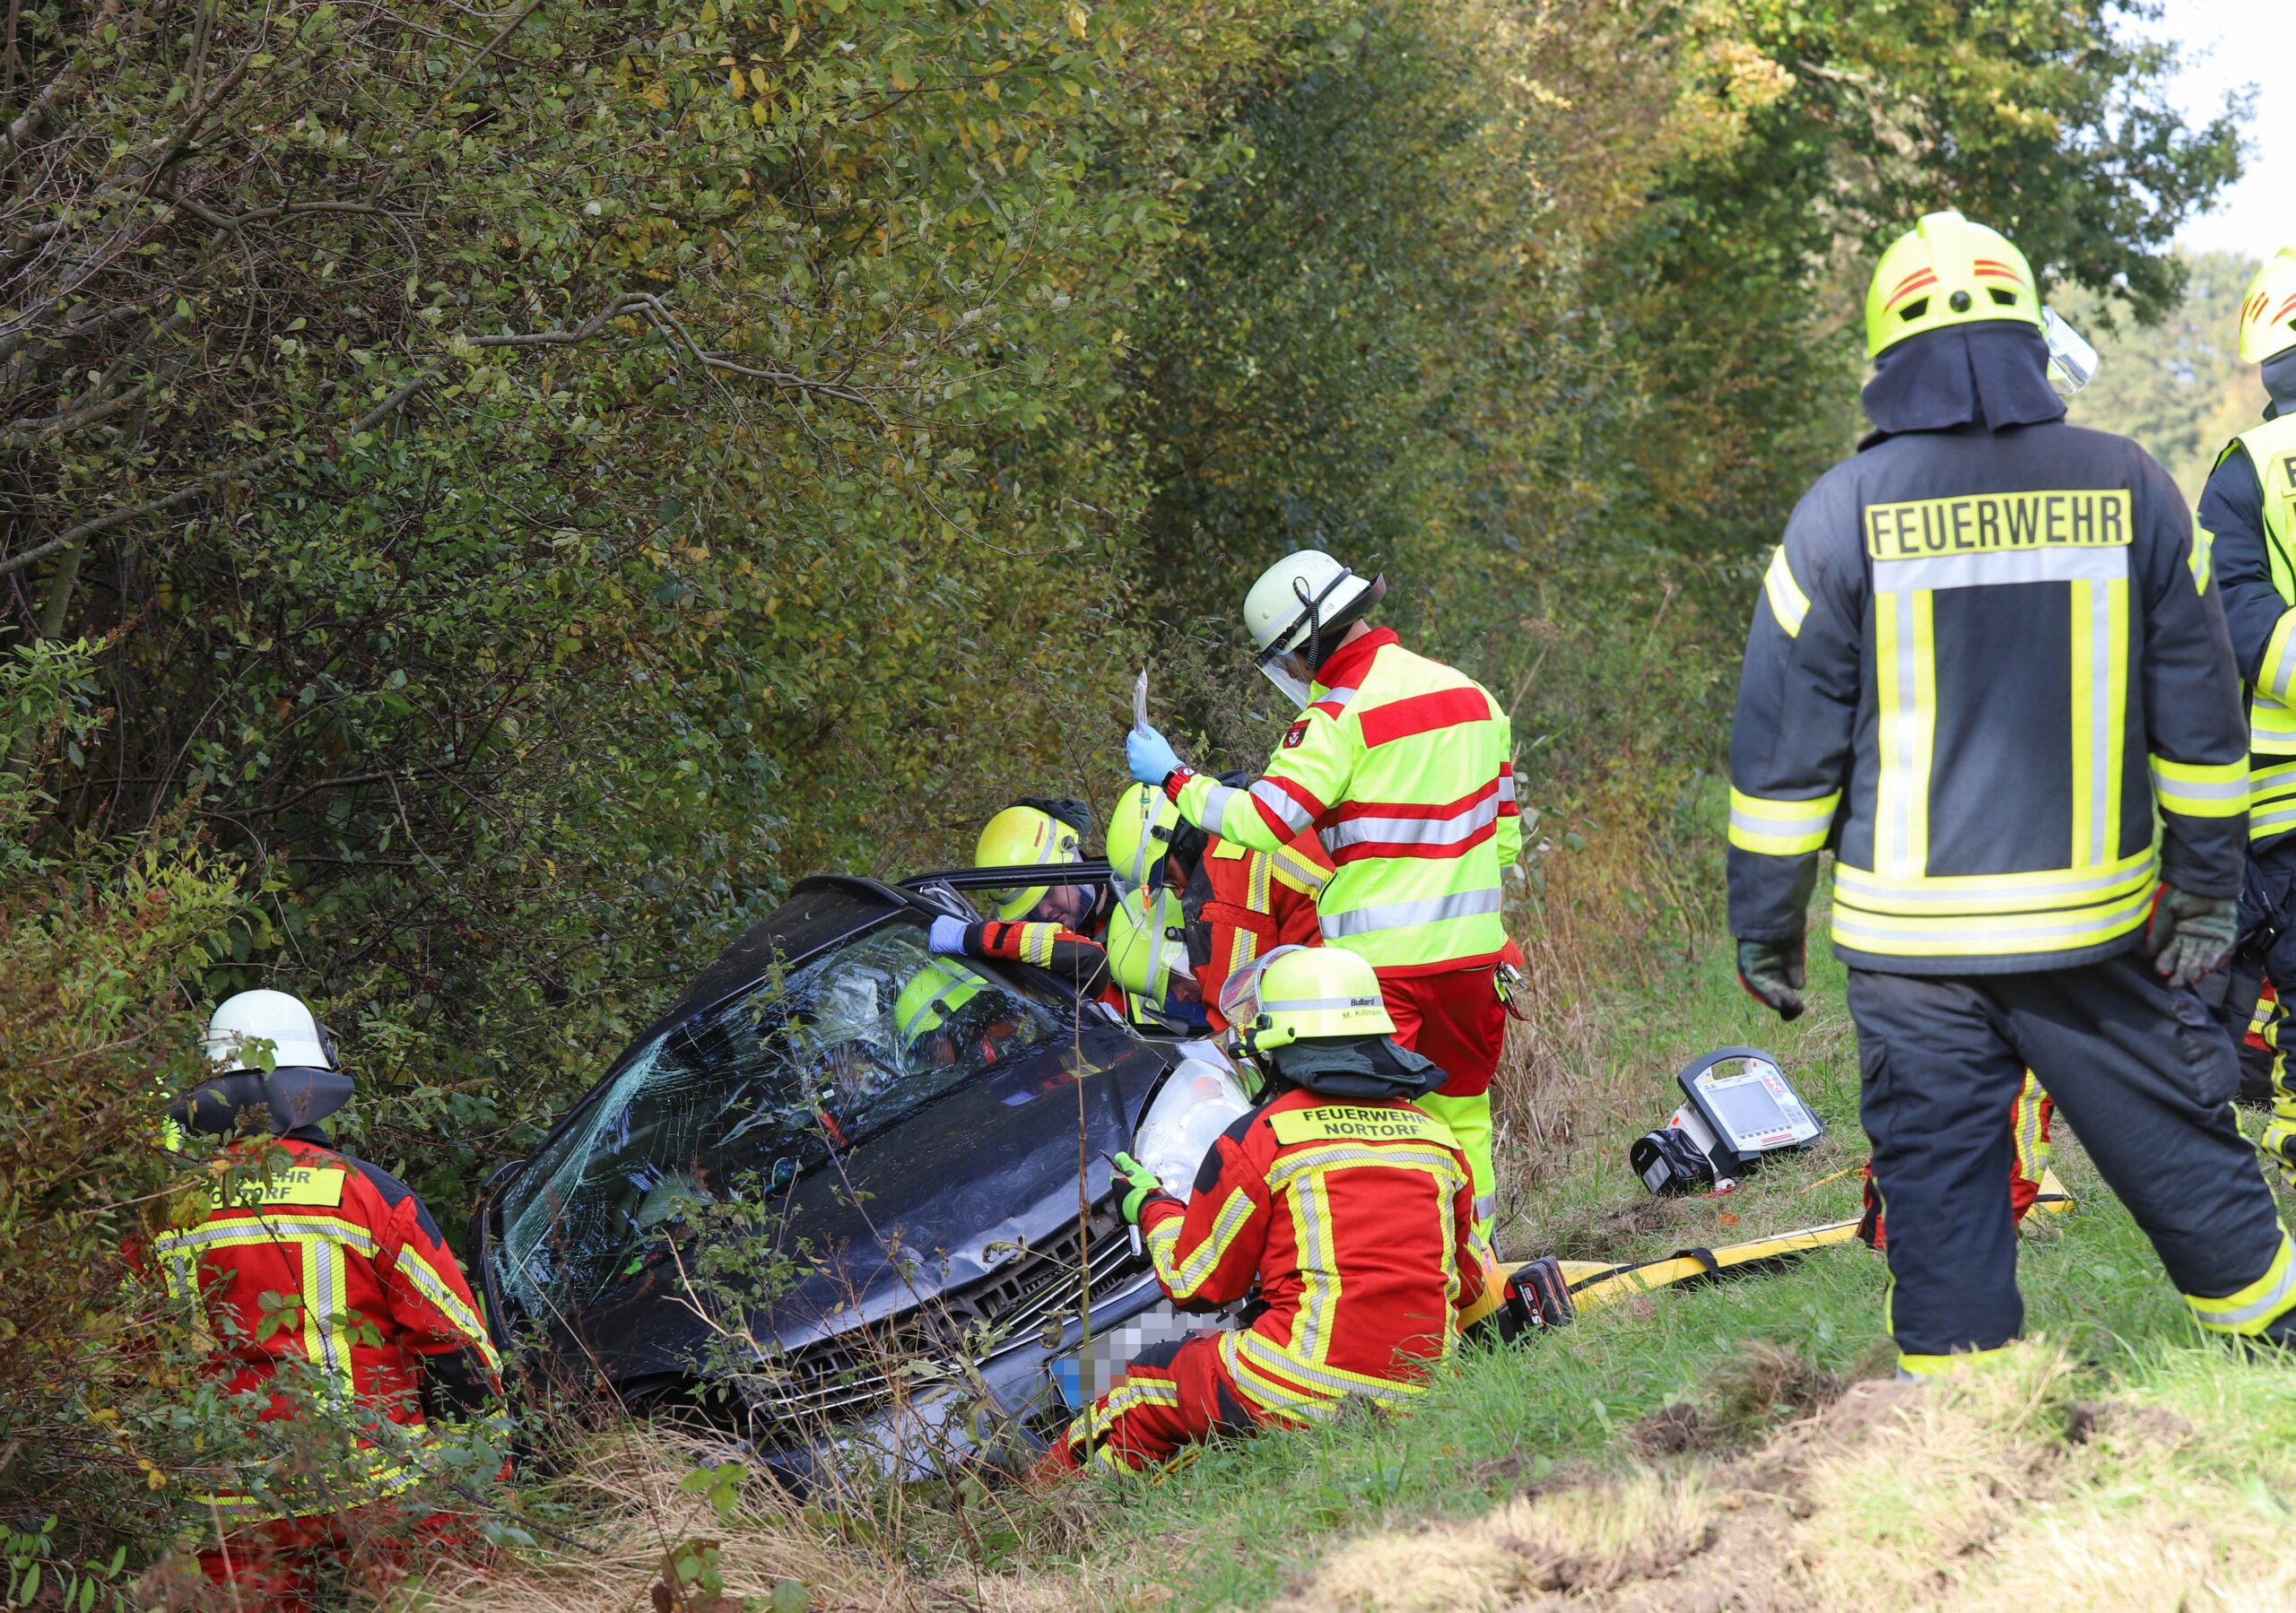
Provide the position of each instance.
(1999, 523)
(307, 1185)
(1350, 1123)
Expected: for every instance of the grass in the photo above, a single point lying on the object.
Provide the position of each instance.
(2122, 1461)
(1249, 1522)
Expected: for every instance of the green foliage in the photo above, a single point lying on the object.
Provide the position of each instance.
(2178, 387)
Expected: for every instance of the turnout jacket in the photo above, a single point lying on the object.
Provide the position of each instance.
(1355, 1217)
(377, 1300)
(2248, 536)
(1238, 904)
(1981, 659)
(1403, 769)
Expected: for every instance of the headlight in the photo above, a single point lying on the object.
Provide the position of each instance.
(1197, 1102)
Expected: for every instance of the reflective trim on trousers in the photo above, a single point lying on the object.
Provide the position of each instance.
(2249, 1311)
(1398, 915)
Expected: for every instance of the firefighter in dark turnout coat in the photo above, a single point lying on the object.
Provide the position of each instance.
(1982, 659)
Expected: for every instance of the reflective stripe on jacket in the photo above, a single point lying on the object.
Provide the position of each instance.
(1355, 1218)
(1977, 666)
(374, 1291)
(1402, 767)
(1241, 902)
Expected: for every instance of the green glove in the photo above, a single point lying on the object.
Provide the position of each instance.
(2190, 935)
(1772, 973)
(1145, 1185)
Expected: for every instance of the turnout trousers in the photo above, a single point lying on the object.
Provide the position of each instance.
(1172, 1395)
(1456, 1021)
(2144, 1075)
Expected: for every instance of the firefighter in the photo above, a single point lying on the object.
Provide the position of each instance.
(1045, 926)
(382, 1335)
(1236, 902)
(2248, 534)
(1981, 659)
(1402, 767)
(1347, 1205)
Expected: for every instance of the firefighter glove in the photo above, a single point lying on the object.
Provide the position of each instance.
(1772, 972)
(1142, 1185)
(2190, 935)
(2278, 1147)
(1150, 756)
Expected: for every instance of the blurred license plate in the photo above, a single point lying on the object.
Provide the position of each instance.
(1086, 1372)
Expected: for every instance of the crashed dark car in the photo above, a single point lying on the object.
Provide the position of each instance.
(923, 1141)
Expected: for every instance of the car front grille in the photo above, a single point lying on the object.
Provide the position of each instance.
(1037, 1291)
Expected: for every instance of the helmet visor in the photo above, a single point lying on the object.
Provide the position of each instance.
(1295, 687)
(2072, 362)
(1239, 993)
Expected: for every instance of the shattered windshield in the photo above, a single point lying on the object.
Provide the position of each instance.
(743, 1098)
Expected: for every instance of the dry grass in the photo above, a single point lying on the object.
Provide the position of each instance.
(1978, 1490)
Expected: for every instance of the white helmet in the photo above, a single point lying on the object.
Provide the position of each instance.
(296, 1038)
(1297, 603)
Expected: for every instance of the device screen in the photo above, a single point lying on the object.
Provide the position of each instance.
(1746, 1109)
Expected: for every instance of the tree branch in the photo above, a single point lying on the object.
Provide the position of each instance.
(240, 471)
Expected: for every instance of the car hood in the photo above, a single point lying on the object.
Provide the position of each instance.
(932, 1203)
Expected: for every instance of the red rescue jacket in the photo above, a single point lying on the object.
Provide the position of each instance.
(378, 1295)
(1355, 1217)
(1241, 904)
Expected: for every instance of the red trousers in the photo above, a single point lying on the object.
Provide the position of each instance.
(1172, 1395)
(1454, 1021)
(273, 1566)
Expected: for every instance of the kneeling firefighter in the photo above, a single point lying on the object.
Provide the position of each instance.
(1351, 1208)
(382, 1328)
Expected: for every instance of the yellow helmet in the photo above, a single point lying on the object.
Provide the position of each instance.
(1302, 993)
(932, 994)
(1947, 270)
(2268, 312)
(1025, 836)
(1140, 834)
(1147, 943)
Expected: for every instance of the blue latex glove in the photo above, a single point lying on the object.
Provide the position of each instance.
(1150, 756)
(946, 938)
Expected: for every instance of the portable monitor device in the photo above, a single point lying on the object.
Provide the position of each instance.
(1739, 1106)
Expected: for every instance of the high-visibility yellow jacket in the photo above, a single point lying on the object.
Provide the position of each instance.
(2247, 529)
(1403, 769)
(1979, 664)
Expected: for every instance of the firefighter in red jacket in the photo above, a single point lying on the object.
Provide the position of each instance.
(1349, 1208)
(1402, 767)
(1236, 904)
(381, 1336)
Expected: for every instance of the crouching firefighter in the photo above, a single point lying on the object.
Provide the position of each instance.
(1998, 896)
(1236, 904)
(379, 1337)
(1348, 1205)
(1046, 925)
